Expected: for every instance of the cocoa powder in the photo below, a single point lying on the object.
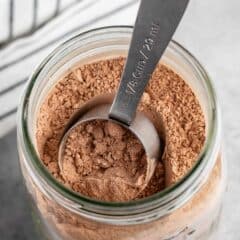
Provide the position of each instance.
(174, 109)
(167, 100)
(103, 160)
(196, 218)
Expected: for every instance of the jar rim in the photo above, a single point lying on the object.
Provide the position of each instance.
(156, 200)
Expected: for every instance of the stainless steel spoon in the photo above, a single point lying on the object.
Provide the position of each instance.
(155, 25)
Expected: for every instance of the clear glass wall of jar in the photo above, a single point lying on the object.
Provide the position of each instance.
(189, 209)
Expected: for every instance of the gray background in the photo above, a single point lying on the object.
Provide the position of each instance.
(211, 31)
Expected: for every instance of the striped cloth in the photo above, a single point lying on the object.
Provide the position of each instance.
(31, 30)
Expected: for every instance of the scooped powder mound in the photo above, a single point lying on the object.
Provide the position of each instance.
(103, 160)
(167, 100)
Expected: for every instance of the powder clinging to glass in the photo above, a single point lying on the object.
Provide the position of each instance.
(167, 100)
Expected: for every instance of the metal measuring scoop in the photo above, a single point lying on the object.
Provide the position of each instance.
(155, 25)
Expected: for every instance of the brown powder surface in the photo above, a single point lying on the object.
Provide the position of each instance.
(167, 100)
(103, 160)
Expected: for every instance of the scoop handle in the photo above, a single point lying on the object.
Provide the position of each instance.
(155, 25)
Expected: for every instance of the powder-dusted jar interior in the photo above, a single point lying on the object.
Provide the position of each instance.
(184, 199)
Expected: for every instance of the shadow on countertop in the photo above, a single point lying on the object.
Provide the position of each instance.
(15, 213)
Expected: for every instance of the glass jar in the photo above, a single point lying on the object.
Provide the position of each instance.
(190, 209)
